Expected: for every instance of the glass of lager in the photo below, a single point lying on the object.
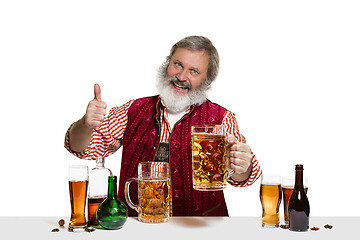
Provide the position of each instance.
(153, 192)
(270, 197)
(209, 157)
(78, 182)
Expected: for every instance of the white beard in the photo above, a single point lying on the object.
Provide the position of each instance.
(175, 101)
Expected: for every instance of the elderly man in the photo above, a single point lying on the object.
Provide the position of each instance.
(145, 125)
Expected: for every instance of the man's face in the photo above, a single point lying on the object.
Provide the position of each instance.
(188, 66)
(181, 82)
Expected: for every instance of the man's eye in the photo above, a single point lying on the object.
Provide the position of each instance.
(194, 72)
(178, 64)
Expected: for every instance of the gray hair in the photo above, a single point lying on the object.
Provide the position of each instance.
(199, 43)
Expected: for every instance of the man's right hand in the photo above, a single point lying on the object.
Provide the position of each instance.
(96, 110)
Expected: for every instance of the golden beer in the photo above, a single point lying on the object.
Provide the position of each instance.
(153, 192)
(270, 197)
(78, 190)
(154, 199)
(209, 163)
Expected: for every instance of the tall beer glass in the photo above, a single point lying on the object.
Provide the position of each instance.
(287, 185)
(270, 197)
(208, 157)
(78, 182)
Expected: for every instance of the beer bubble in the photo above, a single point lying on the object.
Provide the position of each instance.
(142, 185)
(196, 165)
(148, 211)
(156, 184)
(147, 193)
(204, 178)
(208, 167)
(204, 158)
(196, 146)
(217, 157)
(154, 203)
(209, 146)
(216, 177)
(159, 193)
(159, 211)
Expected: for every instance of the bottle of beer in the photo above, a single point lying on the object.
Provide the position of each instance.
(98, 186)
(299, 208)
(112, 212)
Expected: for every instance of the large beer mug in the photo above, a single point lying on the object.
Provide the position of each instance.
(209, 157)
(153, 192)
(270, 197)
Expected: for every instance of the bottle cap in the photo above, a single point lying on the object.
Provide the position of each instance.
(299, 167)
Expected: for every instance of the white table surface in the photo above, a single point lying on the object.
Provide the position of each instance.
(203, 228)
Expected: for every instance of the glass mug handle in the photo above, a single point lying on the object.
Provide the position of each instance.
(229, 172)
(127, 194)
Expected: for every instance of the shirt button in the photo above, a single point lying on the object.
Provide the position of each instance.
(154, 147)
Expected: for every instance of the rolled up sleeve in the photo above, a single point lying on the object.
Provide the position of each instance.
(107, 138)
(231, 127)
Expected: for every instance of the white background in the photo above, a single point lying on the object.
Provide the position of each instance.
(289, 71)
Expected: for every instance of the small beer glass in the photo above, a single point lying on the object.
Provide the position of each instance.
(270, 197)
(153, 192)
(209, 157)
(287, 185)
(78, 182)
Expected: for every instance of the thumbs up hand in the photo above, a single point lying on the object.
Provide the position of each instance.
(96, 110)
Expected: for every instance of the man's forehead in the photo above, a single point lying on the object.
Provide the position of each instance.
(191, 51)
(195, 57)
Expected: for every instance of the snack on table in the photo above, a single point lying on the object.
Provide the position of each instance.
(61, 222)
(328, 226)
(284, 226)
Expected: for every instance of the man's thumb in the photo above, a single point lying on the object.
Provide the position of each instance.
(97, 92)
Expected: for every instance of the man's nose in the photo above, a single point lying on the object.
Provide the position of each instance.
(182, 76)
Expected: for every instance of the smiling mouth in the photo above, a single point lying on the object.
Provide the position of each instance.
(180, 84)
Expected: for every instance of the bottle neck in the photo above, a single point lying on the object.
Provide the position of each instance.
(112, 186)
(100, 162)
(299, 179)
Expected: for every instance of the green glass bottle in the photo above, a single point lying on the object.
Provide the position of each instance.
(112, 213)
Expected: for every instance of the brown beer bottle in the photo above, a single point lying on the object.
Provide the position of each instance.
(299, 208)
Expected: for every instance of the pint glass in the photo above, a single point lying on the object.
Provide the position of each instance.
(78, 182)
(208, 157)
(287, 185)
(270, 197)
(153, 192)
